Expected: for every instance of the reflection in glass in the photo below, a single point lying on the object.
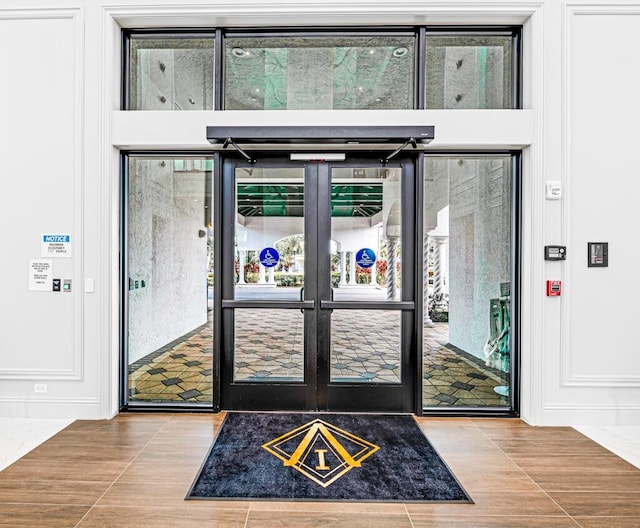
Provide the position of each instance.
(469, 71)
(365, 346)
(171, 73)
(170, 280)
(467, 271)
(318, 73)
(269, 345)
(269, 231)
(366, 242)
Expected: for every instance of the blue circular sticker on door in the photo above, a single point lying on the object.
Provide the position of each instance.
(365, 258)
(269, 257)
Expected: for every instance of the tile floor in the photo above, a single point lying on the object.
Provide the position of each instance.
(18, 436)
(455, 378)
(269, 346)
(135, 470)
(181, 371)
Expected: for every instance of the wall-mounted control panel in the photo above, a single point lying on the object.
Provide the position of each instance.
(598, 254)
(555, 252)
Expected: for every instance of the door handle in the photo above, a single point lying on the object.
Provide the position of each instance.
(301, 298)
(331, 299)
(325, 302)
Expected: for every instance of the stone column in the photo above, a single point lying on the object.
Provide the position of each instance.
(272, 275)
(343, 268)
(392, 275)
(439, 265)
(425, 282)
(261, 276)
(352, 268)
(241, 262)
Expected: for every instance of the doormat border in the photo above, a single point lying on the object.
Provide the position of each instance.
(188, 496)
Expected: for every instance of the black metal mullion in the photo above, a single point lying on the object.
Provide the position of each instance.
(516, 262)
(218, 71)
(124, 281)
(268, 304)
(218, 220)
(367, 305)
(126, 72)
(418, 240)
(323, 282)
(421, 69)
(409, 359)
(312, 346)
(225, 268)
(320, 32)
(516, 69)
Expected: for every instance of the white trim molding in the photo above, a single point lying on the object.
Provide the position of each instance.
(584, 414)
(354, 12)
(53, 408)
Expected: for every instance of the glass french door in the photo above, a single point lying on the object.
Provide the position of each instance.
(318, 285)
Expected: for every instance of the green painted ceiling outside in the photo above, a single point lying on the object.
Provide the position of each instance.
(257, 199)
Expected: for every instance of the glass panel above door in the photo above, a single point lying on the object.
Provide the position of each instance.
(470, 71)
(170, 73)
(319, 73)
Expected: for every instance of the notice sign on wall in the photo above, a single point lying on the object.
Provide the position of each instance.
(40, 275)
(57, 245)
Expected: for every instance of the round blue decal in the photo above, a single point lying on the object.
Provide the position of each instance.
(269, 257)
(365, 258)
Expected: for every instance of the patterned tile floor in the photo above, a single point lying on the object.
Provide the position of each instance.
(178, 372)
(452, 377)
(269, 346)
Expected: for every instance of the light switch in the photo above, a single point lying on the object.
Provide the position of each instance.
(553, 190)
(89, 285)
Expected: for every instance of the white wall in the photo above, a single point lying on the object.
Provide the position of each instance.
(591, 355)
(60, 131)
(44, 334)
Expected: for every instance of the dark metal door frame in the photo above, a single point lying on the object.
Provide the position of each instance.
(317, 392)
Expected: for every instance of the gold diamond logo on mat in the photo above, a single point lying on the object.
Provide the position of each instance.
(321, 451)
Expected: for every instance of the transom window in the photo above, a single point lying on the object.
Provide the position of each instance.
(439, 68)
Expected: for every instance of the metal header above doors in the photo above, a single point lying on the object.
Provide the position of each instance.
(349, 136)
(301, 137)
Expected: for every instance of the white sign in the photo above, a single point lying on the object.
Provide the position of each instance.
(40, 275)
(56, 245)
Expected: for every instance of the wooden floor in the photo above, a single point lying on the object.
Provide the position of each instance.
(135, 470)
